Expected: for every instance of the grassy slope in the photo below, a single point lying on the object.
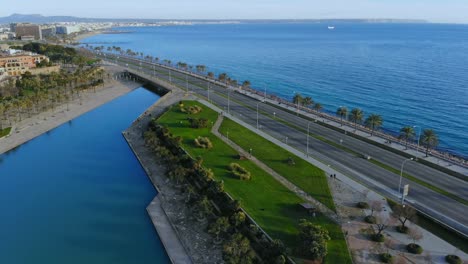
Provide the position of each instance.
(303, 174)
(274, 208)
(5, 132)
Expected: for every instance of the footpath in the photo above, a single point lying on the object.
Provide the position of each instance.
(347, 193)
(301, 193)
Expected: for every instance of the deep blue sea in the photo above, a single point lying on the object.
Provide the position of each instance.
(411, 74)
(77, 194)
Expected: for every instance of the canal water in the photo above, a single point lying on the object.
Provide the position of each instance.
(77, 194)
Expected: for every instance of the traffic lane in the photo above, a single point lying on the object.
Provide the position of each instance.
(422, 194)
(444, 181)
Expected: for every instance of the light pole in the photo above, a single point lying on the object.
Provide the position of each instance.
(286, 140)
(186, 83)
(265, 94)
(209, 92)
(170, 79)
(419, 136)
(401, 173)
(308, 127)
(257, 114)
(229, 101)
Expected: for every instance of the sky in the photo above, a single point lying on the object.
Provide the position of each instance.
(452, 11)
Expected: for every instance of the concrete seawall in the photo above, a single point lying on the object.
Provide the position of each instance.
(134, 137)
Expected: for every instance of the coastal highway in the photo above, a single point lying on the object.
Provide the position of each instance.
(438, 206)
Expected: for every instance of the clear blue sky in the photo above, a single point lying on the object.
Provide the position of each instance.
(433, 10)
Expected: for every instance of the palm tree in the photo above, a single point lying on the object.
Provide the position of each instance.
(430, 139)
(318, 107)
(308, 101)
(246, 84)
(373, 122)
(356, 116)
(297, 99)
(342, 112)
(407, 133)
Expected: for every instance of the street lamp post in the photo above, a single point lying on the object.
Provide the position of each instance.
(170, 78)
(401, 173)
(308, 127)
(229, 101)
(419, 136)
(209, 92)
(257, 114)
(265, 94)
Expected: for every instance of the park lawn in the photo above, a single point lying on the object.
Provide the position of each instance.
(275, 208)
(5, 132)
(303, 174)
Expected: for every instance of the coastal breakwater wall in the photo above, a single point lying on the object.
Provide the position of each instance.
(134, 137)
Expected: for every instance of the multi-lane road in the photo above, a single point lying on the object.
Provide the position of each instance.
(434, 204)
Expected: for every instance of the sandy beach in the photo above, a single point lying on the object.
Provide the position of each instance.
(30, 128)
(82, 36)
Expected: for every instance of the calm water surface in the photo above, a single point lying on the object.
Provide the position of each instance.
(78, 194)
(411, 74)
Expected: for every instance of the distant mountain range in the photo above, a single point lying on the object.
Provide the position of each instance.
(40, 19)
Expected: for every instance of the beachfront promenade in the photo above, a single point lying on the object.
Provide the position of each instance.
(445, 209)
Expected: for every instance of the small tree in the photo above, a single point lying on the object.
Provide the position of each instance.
(220, 227)
(403, 214)
(415, 234)
(313, 240)
(238, 218)
(380, 225)
(375, 206)
(238, 250)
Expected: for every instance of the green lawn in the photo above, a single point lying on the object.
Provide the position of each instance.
(273, 207)
(5, 132)
(303, 174)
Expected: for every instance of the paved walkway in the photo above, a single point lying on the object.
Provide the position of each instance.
(435, 246)
(169, 238)
(301, 193)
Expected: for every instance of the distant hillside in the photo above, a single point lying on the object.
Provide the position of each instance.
(40, 19)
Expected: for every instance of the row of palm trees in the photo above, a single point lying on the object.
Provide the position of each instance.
(35, 94)
(374, 121)
(428, 138)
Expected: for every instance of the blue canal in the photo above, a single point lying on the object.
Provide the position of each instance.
(77, 194)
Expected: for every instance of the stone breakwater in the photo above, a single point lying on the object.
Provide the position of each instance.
(185, 239)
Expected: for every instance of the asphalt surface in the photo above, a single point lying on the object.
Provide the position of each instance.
(438, 206)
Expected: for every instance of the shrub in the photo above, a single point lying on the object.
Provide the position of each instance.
(239, 171)
(195, 109)
(370, 219)
(198, 122)
(453, 259)
(386, 257)
(203, 142)
(414, 248)
(363, 205)
(291, 161)
(378, 237)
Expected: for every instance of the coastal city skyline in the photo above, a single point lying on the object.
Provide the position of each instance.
(451, 11)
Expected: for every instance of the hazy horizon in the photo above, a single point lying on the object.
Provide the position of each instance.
(450, 11)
